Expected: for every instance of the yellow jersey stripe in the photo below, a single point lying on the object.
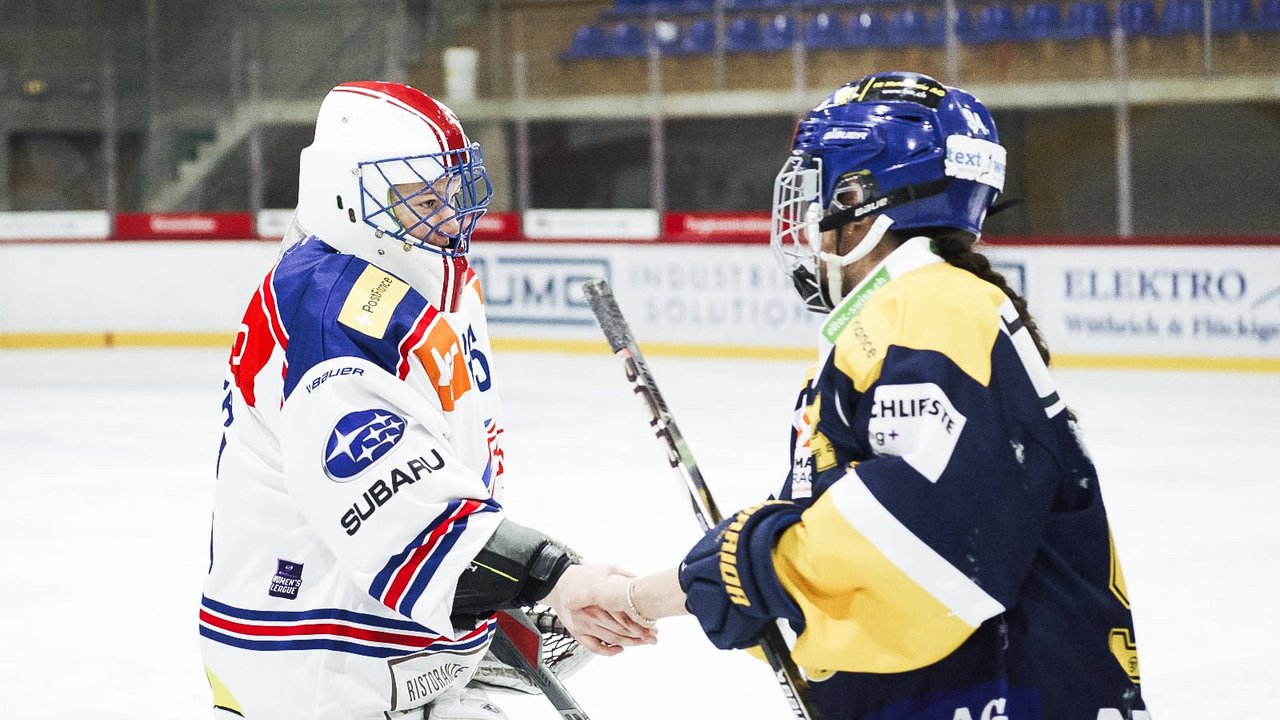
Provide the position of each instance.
(917, 560)
(861, 612)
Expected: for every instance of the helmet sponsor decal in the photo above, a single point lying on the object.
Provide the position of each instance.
(917, 89)
(975, 159)
(358, 440)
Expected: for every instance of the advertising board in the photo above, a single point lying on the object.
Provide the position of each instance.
(1172, 301)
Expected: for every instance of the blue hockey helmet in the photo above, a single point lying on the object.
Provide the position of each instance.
(897, 145)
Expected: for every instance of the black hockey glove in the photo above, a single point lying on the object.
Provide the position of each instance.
(516, 568)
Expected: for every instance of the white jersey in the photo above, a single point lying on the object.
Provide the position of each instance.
(359, 474)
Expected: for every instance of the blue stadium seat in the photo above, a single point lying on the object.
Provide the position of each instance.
(743, 35)
(823, 32)
(1137, 17)
(640, 8)
(699, 38)
(866, 29)
(627, 40)
(588, 42)
(666, 37)
(996, 23)
(1268, 17)
(755, 4)
(1180, 17)
(1087, 19)
(692, 7)
(938, 27)
(908, 27)
(779, 34)
(1041, 21)
(1230, 15)
(630, 8)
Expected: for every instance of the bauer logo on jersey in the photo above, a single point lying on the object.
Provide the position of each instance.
(358, 440)
(917, 423)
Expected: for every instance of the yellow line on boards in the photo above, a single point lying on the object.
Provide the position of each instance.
(1168, 362)
(73, 340)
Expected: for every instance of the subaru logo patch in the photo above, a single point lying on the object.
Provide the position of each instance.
(358, 440)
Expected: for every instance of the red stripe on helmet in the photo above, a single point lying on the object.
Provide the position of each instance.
(439, 118)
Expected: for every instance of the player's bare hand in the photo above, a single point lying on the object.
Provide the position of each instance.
(639, 603)
(597, 628)
(614, 596)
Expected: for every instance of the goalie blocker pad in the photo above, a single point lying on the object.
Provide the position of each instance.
(517, 567)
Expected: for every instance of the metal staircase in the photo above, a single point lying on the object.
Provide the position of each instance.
(229, 134)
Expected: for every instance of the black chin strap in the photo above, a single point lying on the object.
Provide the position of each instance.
(902, 195)
(1005, 205)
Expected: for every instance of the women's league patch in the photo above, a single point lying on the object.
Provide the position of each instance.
(358, 440)
(287, 580)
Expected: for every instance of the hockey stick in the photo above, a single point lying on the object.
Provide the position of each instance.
(518, 643)
(793, 684)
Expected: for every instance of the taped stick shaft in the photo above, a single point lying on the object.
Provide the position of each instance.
(623, 344)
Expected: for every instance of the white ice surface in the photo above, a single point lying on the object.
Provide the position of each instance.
(106, 464)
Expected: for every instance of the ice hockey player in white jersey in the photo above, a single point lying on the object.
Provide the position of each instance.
(359, 548)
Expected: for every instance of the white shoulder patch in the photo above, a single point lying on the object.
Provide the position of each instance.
(917, 423)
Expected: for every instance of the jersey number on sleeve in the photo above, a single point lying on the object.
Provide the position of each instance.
(477, 363)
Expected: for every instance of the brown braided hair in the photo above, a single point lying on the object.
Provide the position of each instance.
(956, 247)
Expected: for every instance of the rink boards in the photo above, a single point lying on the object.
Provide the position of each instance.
(1214, 304)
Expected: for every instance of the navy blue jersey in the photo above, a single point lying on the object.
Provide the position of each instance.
(954, 558)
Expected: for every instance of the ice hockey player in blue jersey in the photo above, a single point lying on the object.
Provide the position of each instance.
(359, 546)
(940, 543)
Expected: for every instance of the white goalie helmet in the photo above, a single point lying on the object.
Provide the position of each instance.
(370, 138)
